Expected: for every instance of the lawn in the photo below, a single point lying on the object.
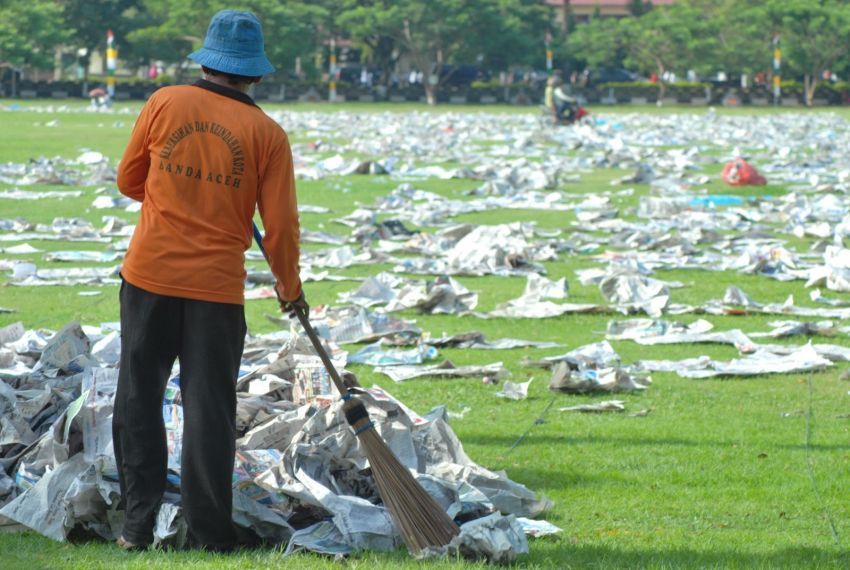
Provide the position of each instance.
(737, 473)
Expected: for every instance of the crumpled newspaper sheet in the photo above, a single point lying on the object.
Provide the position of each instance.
(444, 295)
(735, 337)
(762, 361)
(525, 308)
(514, 390)
(345, 256)
(652, 333)
(376, 355)
(501, 250)
(445, 369)
(594, 355)
(475, 339)
(784, 329)
(500, 538)
(26, 274)
(737, 302)
(634, 329)
(585, 380)
(18, 194)
(298, 465)
(599, 407)
(591, 368)
(535, 301)
(350, 324)
(636, 293)
(506, 249)
(834, 274)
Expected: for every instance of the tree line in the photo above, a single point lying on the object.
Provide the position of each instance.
(702, 36)
(731, 36)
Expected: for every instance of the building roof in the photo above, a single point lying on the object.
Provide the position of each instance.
(602, 3)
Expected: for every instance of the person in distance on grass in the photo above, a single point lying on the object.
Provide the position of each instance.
(202, 158)
(566, 105)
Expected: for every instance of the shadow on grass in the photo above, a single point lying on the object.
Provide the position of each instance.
(508, 440)
(563, 552)
(578, 556)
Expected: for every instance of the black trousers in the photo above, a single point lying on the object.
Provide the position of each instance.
(208, 338)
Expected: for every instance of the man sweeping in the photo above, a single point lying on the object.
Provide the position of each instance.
(202, 158)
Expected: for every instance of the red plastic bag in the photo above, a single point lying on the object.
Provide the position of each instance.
(739, 172)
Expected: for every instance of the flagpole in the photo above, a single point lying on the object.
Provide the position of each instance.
(777, 70)
(332, 71)
(111, 64)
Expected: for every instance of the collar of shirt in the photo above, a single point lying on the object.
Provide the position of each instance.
(226, 91)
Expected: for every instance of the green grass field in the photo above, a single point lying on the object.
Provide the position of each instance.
(732, 473)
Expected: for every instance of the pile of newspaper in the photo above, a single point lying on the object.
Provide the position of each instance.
(300, 478)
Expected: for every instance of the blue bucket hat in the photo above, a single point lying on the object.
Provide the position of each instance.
(234, 44)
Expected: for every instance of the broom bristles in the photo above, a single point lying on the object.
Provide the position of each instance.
(421, 521)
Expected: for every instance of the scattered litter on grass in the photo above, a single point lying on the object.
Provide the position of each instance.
(445, 369)
(496, 538)
(538, 527)
(56, 387)
(458, 415)
(600, 407)
(584, 380)
(514, 390)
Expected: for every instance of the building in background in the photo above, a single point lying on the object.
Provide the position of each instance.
(583, 10)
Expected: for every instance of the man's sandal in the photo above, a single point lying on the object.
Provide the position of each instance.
(125, 544)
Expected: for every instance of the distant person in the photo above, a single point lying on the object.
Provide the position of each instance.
(99, 98)
(566, 105)
(549, 99)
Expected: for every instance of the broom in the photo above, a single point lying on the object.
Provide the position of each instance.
(420, 520)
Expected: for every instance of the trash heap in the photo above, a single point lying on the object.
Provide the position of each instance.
(299, 478)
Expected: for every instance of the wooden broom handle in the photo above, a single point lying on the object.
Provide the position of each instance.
(305, 322)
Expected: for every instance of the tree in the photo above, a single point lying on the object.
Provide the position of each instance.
(177, 27)
(430, 32)
(815, 36)
(667, 38)
(508, 33)
(89, 22)
(740, 33)
(30, 30)
(639, 7)
(439, 32)
(597, 44)
(291, 29)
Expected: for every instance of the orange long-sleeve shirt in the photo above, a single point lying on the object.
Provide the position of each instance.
(201, 159)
